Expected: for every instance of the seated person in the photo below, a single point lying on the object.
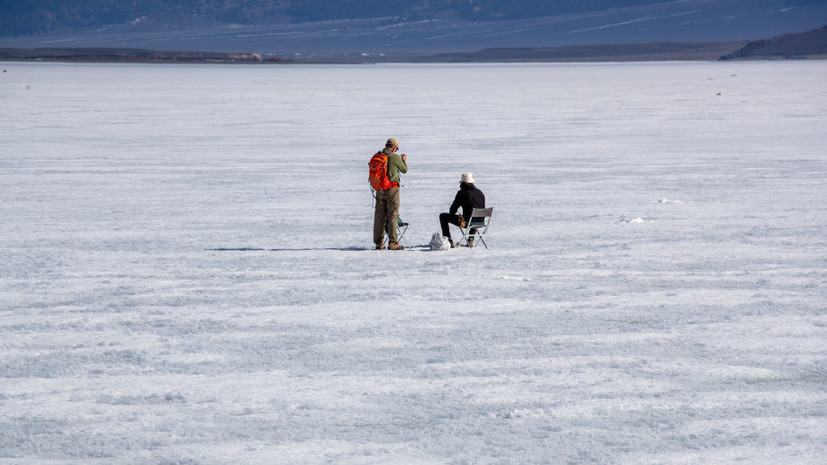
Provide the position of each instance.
(468, 197)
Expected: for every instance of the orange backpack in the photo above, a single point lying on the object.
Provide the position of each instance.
(378, 175)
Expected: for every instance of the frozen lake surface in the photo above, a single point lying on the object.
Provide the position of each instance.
(187, 273)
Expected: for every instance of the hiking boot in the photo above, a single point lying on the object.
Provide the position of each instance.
(395, 246)
(470, 242)
(380, 246)
(451, 241)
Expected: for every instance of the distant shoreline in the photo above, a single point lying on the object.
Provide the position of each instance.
(650, 52)
(127, 55)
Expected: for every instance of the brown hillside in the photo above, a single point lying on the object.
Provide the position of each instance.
(803, 45)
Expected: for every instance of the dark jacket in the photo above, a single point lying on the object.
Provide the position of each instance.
(468, 197)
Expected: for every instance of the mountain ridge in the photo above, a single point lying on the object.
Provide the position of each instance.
(25, 17)
(372, 28)
(809, 44)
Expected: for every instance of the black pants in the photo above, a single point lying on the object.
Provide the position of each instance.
(445, 218)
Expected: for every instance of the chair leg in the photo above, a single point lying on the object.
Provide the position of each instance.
(400, 233)
(464, 240)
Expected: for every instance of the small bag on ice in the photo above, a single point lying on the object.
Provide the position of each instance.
(439, 242)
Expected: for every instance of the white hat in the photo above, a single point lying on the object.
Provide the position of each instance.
(468, 178)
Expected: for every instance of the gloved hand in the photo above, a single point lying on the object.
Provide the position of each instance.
(461, 221)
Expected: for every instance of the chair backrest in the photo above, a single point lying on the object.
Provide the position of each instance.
(478, 226)
(481, 216)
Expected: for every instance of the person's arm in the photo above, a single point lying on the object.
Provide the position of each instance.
(402, 165)
(396, 165)
(456, 204)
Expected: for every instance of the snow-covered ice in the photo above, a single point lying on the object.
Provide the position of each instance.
(187, 274)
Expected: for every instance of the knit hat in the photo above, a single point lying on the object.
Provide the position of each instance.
(467, 178)
(392, 143)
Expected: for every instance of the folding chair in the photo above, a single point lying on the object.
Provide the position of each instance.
(401, 227)
(480, 217)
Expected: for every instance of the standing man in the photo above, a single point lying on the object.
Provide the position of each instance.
(387, 201)
(468, 197)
